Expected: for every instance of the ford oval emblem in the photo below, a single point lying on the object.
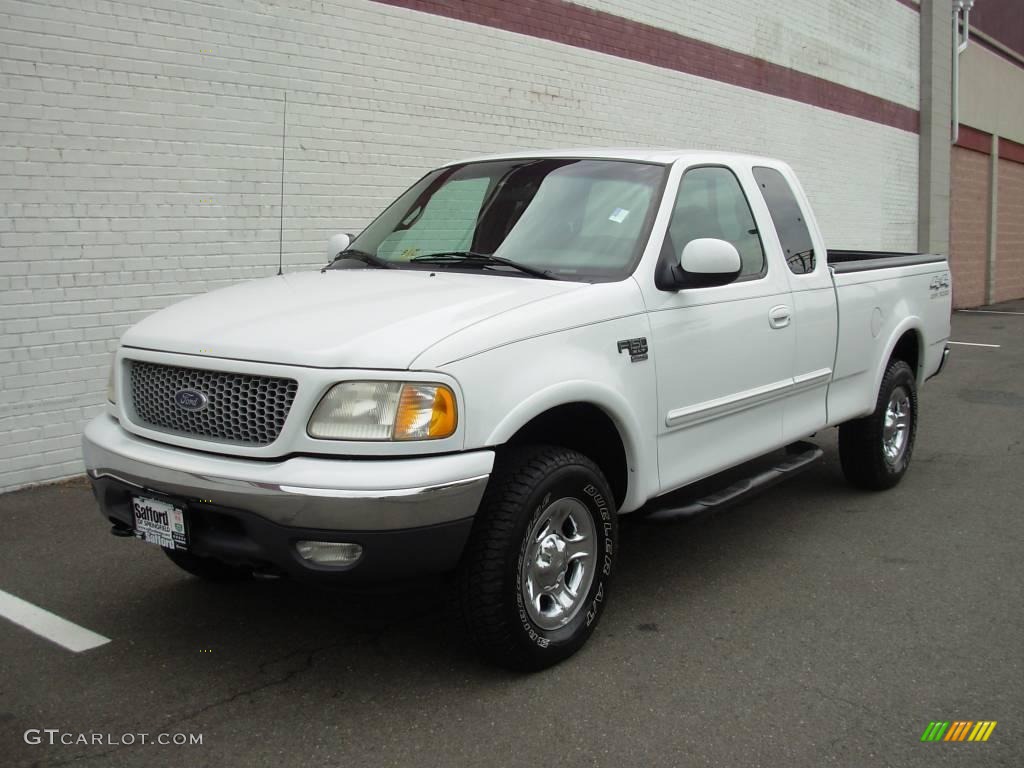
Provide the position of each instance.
(190, 400)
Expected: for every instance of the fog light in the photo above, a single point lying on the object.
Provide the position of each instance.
(329, 552)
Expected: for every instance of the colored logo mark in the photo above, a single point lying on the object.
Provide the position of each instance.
(959, 730)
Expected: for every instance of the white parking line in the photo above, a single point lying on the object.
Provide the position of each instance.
(48, 625)
(989, 312)
(973, 344)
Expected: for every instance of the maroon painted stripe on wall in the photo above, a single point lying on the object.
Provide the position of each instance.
(981, 141)
(1011, 150)
(563, 22)
(1002, 20)
(972, 138)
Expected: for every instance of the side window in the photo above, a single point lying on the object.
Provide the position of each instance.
(711, 203)
(788, 219)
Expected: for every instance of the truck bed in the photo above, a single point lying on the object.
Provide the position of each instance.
(858, 261)
(877, 294)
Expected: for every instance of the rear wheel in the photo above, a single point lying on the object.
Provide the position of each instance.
(206, 567)
(875, 451)
(534, 577)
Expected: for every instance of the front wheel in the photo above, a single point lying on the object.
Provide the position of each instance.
(535, 574)
(875, 451)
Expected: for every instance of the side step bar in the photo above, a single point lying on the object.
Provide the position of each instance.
(801, 456)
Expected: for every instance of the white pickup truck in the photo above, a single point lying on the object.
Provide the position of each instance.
(518, 350)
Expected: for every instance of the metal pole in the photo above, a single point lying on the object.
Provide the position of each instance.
(955, 85)
(993, 221)
(959, 46)
(280, 236)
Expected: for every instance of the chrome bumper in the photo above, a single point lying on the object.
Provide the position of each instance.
(302, 492)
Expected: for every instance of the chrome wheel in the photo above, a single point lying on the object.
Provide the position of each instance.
(559, 565)
(896, 427)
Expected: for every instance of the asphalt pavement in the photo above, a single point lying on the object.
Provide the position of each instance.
(814, 626)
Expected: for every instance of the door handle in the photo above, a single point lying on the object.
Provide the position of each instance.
(779, 317)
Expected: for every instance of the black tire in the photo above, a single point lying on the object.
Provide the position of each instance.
(862, 451)
(206, 568)
(527, 484)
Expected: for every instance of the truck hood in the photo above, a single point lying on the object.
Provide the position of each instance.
(352, 318)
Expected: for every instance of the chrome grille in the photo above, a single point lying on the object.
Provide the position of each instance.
(240, 408)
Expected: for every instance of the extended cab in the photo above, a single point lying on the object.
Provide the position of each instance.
(518, 350)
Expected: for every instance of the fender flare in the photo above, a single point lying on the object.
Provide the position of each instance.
(912, 323)
(608, 400)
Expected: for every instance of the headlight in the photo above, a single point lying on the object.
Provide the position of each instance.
(385, 410)
(111, 396)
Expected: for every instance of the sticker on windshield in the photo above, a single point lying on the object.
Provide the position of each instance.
(618, 215)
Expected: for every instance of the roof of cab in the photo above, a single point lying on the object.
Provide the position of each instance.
(663, 156)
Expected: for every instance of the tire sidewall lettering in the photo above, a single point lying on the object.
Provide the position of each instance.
(606, 527)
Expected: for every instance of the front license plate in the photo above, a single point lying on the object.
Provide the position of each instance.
(160, 522)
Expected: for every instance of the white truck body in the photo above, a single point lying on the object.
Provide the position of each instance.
(694, 380)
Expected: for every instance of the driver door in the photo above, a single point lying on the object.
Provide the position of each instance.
(725, 354)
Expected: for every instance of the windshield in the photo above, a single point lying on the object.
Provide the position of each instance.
(584, 220)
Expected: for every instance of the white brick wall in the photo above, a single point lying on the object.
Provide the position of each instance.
(139, 153)
(871, 46)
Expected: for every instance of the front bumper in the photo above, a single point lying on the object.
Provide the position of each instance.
(410, 515)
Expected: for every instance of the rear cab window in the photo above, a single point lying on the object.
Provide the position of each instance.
(788, 218)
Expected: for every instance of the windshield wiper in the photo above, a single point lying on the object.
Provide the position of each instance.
(357, 255)
(484, 259)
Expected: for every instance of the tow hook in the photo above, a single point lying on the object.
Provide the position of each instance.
(120, 529)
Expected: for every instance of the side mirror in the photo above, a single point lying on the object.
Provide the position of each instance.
(706, 262)
(336, 244)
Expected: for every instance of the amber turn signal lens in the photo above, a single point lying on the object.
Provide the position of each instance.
(425, 412)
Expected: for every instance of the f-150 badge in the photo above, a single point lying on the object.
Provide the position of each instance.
(637, 348)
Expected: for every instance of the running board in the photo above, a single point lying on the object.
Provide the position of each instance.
(800, 456)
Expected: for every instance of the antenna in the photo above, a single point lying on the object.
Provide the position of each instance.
(280, 236)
